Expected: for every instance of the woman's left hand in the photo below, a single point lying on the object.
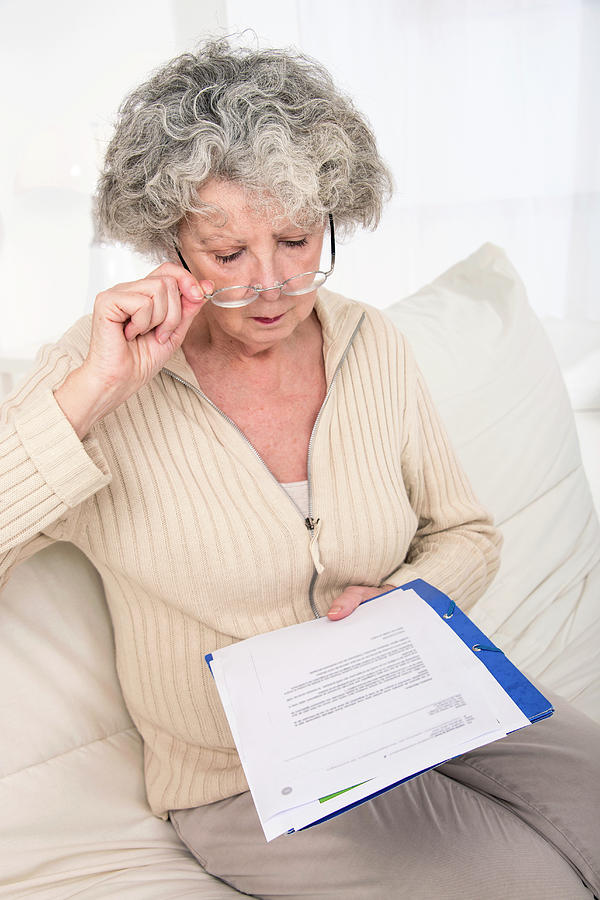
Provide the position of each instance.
(352, 597)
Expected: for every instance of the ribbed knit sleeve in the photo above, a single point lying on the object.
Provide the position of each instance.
(456, 547)
(46, 472)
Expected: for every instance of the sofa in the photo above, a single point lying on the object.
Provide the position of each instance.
(75, 820)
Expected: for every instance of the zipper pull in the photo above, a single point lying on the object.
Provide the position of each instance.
(314, 526)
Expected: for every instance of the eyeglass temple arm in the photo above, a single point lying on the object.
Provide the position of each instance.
(182, 260)
(332, 241)
(331, 237)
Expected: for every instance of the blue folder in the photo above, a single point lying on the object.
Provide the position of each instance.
(527, 697)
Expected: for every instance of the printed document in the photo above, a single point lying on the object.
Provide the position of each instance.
(326, 713)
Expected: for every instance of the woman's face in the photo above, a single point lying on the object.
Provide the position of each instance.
(250, 249)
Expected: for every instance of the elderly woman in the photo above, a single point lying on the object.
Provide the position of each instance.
(237, 450)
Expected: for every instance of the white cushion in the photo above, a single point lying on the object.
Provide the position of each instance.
(75, 819)
(497, 383)
(576, 343)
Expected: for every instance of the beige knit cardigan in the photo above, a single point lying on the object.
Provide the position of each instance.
(199, 546)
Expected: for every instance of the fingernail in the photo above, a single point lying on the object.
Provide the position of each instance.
(197, 292)
(164, 337)
(335, 609)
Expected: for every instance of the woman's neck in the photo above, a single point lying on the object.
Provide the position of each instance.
(207, 346)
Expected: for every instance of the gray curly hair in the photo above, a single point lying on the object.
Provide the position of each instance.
(270, 120)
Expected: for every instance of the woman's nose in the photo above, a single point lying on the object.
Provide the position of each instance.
(267, 278)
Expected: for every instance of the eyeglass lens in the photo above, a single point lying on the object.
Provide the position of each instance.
(292, 287)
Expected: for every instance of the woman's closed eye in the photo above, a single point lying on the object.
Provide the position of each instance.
(231, 257)
(301, 242)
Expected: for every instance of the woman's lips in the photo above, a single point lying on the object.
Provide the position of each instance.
(264, 320)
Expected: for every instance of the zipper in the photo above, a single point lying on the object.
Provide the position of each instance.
(312, 524)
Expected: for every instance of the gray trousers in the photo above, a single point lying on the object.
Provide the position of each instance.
(518, 819)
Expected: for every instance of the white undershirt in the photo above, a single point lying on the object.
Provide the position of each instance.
(298, 491)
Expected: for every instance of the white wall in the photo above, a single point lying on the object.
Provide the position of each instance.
(489, 114)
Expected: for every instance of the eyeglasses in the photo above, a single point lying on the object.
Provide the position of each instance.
(244, 294)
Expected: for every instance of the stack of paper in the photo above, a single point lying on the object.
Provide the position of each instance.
(326, 714)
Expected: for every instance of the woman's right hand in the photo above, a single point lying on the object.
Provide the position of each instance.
(136, 327)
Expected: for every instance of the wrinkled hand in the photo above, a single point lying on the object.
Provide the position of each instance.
(352, 597)
(136, 327)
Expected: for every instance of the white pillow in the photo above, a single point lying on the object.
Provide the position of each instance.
(499, 389)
